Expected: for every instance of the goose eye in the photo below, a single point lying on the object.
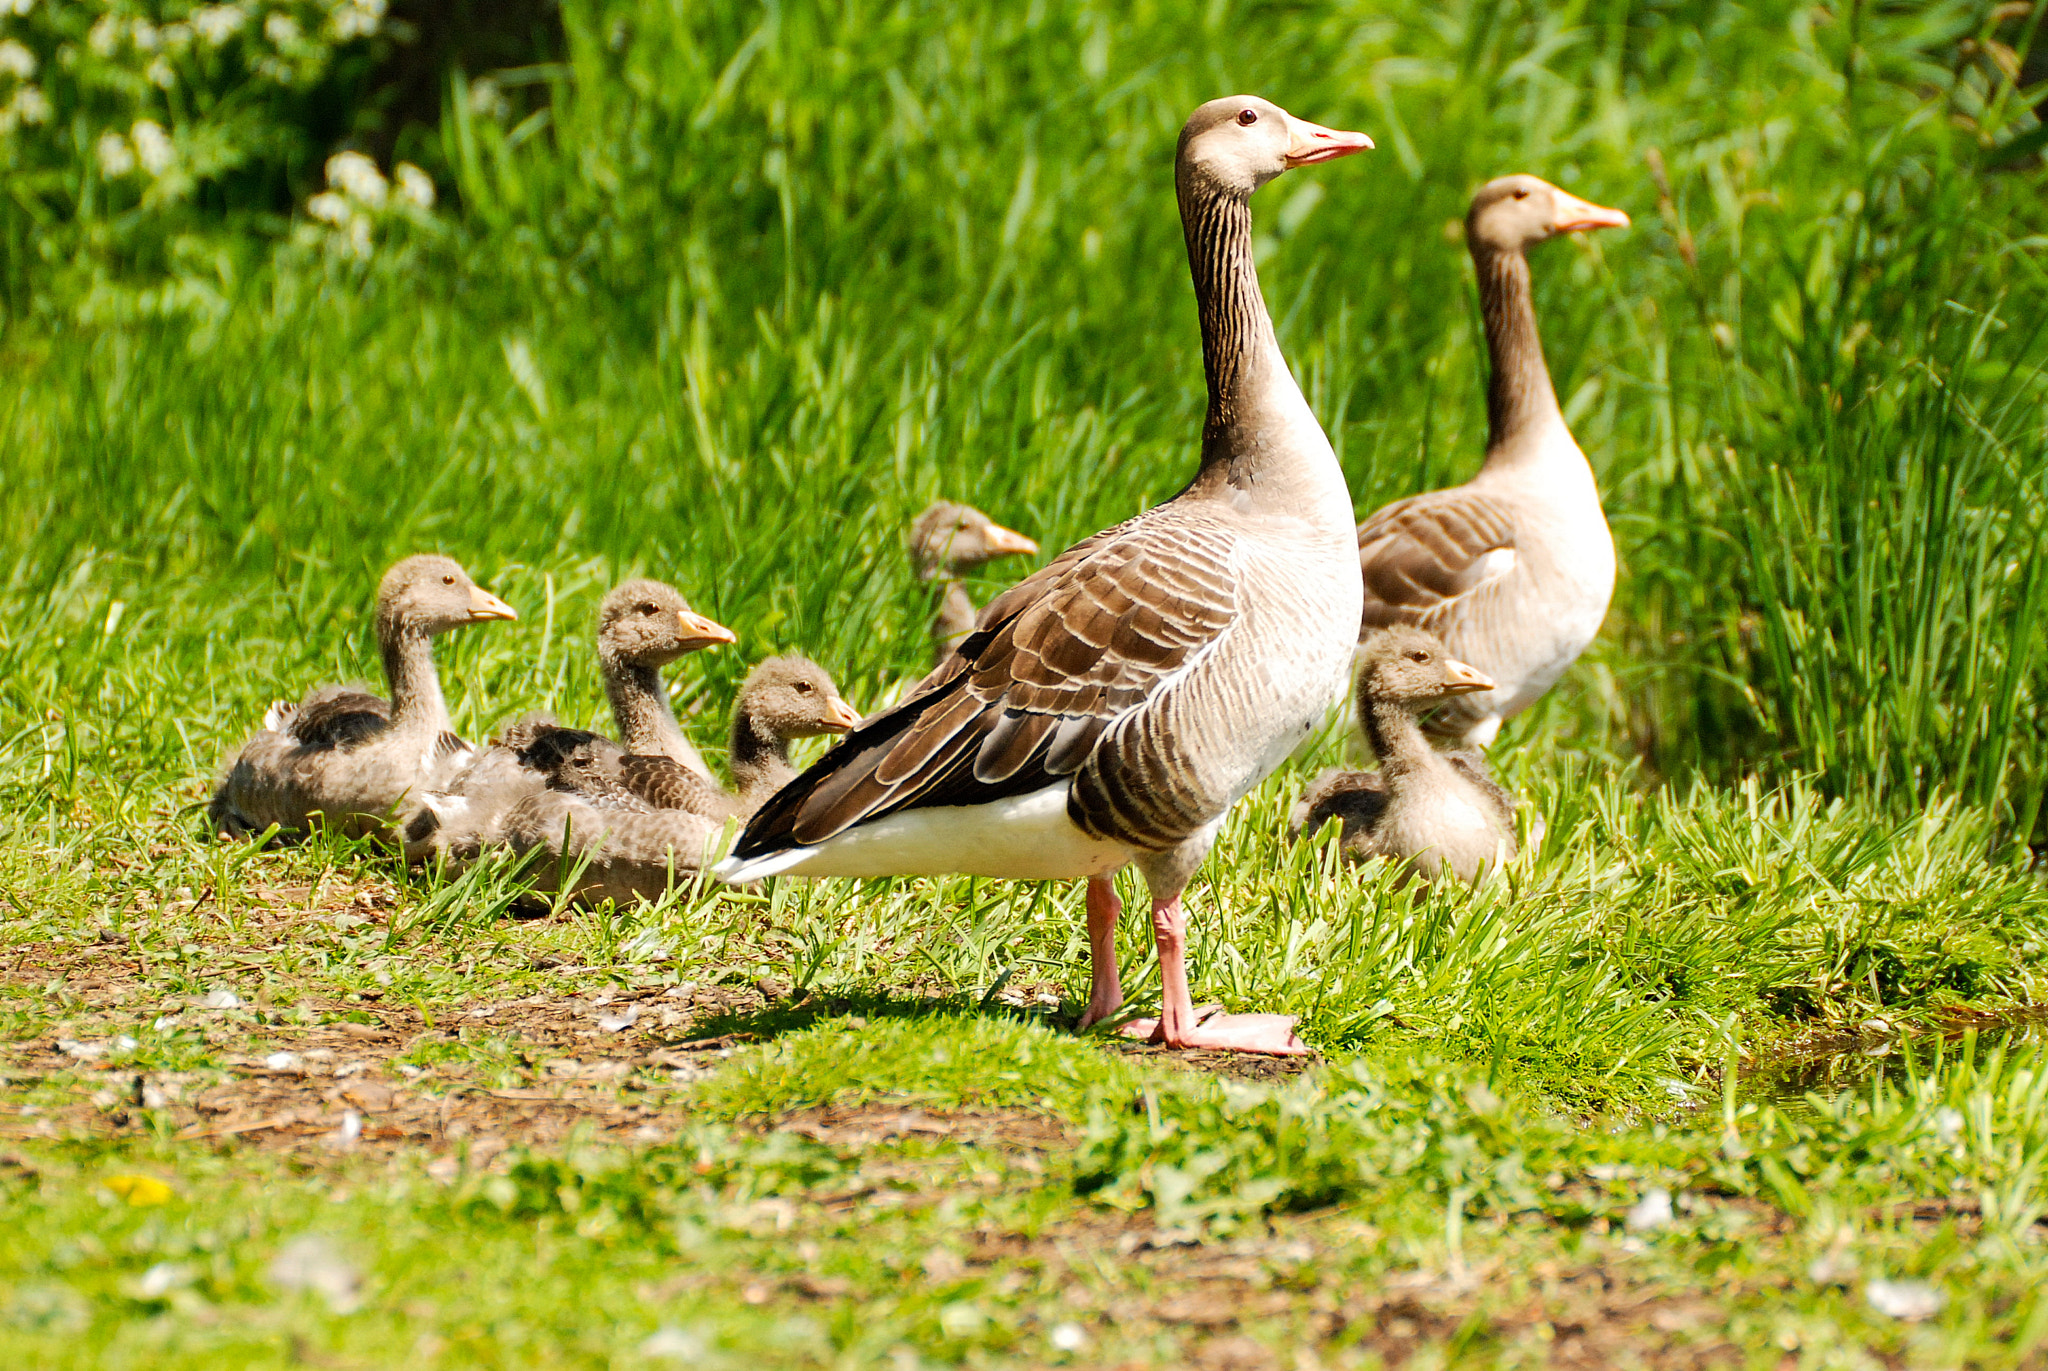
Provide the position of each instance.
(1418, 656)
(1521, 195)
(1247, 117)
(803, 687)
(447, 580)
(647, 609)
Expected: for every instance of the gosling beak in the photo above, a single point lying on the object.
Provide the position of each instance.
(1006, 541)
(840, 718)
(484, 605)
(1313, 143)
(1575, 216)
(1460, 679)
(700, 632)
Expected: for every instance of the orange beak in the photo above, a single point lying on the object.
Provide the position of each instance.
(700, 632)
(1313, 143)
(841, 717)
(484, 605)
(1460, 679)
(1575, 215)
(1008, 541)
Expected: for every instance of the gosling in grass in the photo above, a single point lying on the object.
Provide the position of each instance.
(642, 626)
(1431, 811)
(349, 758)
(947, 539)
(625, 819)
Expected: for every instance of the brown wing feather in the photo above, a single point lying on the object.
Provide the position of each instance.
(665, 783)
(339, 717)
(1421, 554)
(1025, 701)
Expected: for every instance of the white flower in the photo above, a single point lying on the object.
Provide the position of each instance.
(217, 23)
(30, 105)
(17, 59)
(414, 185)
(356, 18)
(359, 235)
(105, 35)
(281, 30)
(328, 207)
(115, 157)
(357, 176)
(143, 35)
(153, 146)
(8, 7)
(161, 74)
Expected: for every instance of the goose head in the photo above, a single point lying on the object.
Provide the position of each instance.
(1407, 666)
(948, 538)
(649, 624)
(792, 697)
(429, 595)
(1238, 143)
(1514, 213)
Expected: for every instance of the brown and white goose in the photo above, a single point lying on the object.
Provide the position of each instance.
(1513, 569)
(642, 626)
(1110, 709)
(350, 756)
(947, 539)
(1428, 810)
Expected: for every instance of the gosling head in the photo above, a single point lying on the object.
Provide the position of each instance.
(429, 595)
(650, 624)
(1410, 667)
(792, 697)
(1514, 213)
(1237, 144)
(947, 539)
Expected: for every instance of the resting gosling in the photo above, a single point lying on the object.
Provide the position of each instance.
(346, 756)
(1426, 809)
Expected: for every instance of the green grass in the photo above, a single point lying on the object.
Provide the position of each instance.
(753, 288)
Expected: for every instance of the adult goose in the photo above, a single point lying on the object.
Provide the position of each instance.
(947, 539)
(346, 755)
(1111, 708)
(1429, 810)
(1513, 569)
(642, 626)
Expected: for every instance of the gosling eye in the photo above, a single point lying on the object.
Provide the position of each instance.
(447, 580)
(1247, 117)
(647, 609)
(1521, 195)
(1418, 656)
(803, 687)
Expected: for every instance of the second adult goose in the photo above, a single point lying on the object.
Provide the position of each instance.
(947, 539)
(1110, 709)
(1513, 569)
(350, 756)
(1429, 810)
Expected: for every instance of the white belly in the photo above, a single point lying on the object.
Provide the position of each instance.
(1025, 838)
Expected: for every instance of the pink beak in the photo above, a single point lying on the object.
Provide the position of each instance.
(1009, 542)
(1313, 143)
(1575, 215)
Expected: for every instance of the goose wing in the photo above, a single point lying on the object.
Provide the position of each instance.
(338, 718)
(1057, 681)
(1425, 555)
(665, 783)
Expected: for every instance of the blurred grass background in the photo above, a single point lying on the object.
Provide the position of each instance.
(725, 294)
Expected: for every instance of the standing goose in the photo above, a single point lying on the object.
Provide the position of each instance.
(945, 540)
(1513, 569)
(1426, 809)
(642, 626)
(1111, 708)
(351, 756)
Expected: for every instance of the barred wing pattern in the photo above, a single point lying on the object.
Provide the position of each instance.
(1423, 555)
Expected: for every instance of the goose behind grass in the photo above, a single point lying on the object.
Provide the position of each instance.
(349, 758)
(1429, 810)
(947, 539)
(1512, 570)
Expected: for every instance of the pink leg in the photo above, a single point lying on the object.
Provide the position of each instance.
(1105, 991)
(1180, 1025)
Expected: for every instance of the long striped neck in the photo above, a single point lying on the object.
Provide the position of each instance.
(1239, 351)
(1521, 404)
